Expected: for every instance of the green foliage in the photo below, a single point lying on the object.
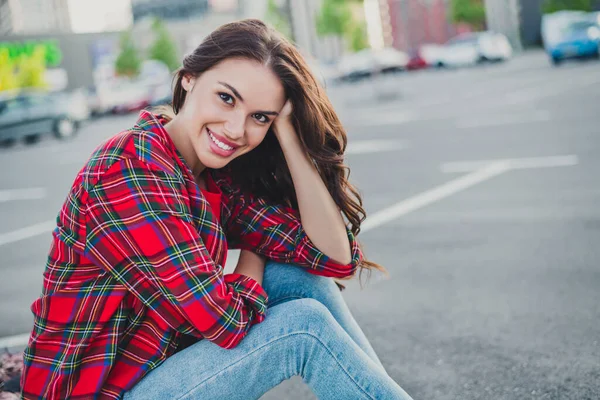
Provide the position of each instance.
(471, 12)
(128, 62)
(357, 36)
(335, 18)
(163, 49)
(276, 17)
(15, 50)
(550, 6)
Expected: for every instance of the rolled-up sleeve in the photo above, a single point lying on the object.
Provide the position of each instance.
(141, 232)
(275, 231)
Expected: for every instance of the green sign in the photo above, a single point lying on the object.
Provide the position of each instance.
(15, 50)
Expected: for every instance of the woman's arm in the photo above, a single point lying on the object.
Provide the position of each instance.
(319, 215)
(140, 231)
(252, 265)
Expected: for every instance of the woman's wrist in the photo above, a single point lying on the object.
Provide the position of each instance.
(251, 265)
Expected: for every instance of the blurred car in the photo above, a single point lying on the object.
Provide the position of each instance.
(29, 115)
(416, 61)
(432, 54)
(571, 34)
(325, 73)
(160, 95)
(369, 62)
(130, 97)
(473, 48)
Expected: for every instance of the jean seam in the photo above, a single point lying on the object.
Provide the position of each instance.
(278, 301)
(273, 341)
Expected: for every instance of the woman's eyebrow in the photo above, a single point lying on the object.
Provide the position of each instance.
(234, 90)
(239, 96)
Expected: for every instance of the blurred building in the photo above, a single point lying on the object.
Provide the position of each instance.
(169, 10)
(504, 16)
(303, 19)
(34, 16)
(530, 21)
(407, 24)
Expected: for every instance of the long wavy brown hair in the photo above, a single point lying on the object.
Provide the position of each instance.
(264, 171)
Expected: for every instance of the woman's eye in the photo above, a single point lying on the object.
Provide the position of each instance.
(262, 118)
(226, 98)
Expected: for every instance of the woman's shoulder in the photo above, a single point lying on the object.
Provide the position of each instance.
(135, 144)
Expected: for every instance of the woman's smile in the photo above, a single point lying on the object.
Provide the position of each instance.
(221, 146)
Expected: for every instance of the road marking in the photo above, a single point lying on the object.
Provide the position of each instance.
(514, 163)
(14, 341)
(480, 171)
(22, 194)
(501, 120)
(27, 232)
(374, 146)
(432, 195)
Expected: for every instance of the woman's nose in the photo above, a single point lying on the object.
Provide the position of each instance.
(234, 127)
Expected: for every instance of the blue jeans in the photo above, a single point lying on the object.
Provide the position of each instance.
(308, 331)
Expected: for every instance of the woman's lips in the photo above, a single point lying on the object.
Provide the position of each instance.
(215, 147)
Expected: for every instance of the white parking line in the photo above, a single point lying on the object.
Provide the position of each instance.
(374, 146)
(27, 232)
(22, 194)
(514, 163)
(432, 195)
(14, 341)
(480, 171)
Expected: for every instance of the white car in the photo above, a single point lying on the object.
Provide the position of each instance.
(368, 62)
(473, 48)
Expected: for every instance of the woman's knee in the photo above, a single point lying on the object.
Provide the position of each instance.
(306, 315)
(288, 281)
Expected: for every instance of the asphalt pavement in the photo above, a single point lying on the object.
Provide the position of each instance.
(482, 190)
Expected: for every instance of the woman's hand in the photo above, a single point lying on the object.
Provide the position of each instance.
(282, 126)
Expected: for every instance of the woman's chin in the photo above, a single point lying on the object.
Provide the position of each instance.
(213, 161)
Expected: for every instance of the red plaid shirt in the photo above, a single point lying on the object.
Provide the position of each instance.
(136, 266)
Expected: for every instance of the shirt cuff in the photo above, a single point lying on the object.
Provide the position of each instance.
(252, 292)
(324, 265)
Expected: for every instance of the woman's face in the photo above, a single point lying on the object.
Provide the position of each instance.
(229, 109)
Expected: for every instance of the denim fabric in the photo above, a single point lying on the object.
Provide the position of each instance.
(308, 331)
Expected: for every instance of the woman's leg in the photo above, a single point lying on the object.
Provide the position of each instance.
(284, 282)
(298, 337)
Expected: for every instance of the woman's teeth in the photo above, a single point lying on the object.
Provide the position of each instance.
(219, 143)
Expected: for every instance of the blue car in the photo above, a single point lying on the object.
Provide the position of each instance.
(571, 35)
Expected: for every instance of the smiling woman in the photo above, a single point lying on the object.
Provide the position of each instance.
(135, 304)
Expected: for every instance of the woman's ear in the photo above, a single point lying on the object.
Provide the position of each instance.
(187, 82)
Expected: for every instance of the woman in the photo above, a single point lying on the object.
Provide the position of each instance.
(135, 302)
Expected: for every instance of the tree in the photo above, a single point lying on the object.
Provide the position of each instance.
(357, 36)
(335, 18)
(471, 12)
(550, 6)
(128, 62)
(163, 49)
(341, 18)
(278, 19)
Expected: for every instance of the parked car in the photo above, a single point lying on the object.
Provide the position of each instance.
(473, 48)
(29, 115)
(417, 61)
(130, 97)
(369, 62)
(571, 34)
